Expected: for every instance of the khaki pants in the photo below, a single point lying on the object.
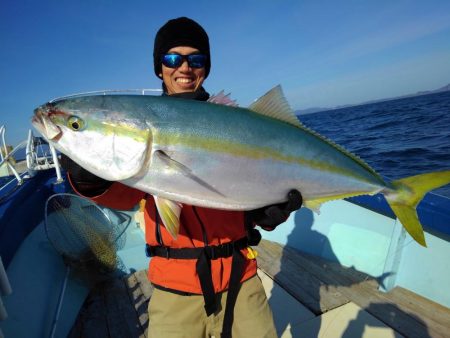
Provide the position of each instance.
(175, 316)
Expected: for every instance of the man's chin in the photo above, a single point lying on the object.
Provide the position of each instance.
(188, 87)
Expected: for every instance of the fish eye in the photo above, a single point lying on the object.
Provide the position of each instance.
(75, 123)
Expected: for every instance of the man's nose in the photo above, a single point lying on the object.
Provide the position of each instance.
(184, 66)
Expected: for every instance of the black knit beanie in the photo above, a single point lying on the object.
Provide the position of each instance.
(180, 32)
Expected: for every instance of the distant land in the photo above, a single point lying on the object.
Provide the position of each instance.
(319, 109)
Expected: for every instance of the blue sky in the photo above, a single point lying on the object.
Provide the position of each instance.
(323, 53)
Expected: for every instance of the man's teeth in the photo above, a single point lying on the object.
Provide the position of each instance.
(184, 80)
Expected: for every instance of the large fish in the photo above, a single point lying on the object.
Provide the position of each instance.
(218, 156)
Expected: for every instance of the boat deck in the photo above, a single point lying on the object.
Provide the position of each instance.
(310, 297)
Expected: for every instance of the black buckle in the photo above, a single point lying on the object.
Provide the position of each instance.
(148, 250)
(161, 251)
(227, 249)
(167, 251)
(219, 251)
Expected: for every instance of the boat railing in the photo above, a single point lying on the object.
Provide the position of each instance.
(39, 159)
(36, 158)
(138, 91)
(6, 155)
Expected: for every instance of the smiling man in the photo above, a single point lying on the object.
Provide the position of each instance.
(188, 74)
(205, 280)
(209, 286)
(182, 58)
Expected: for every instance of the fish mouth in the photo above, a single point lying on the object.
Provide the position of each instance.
(42, 122)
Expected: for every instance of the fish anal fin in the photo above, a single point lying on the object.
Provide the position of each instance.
(313, 205)
(169, 211)
(273, 104)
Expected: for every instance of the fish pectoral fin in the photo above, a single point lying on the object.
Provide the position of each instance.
(175, 165)
(169, 211)
(171, 163)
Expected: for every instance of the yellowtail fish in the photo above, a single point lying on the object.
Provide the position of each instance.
(218, 156)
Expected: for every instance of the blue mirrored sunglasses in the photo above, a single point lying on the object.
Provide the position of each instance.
(176, 60)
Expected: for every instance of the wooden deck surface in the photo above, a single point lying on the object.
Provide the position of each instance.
(321, 285)
(118, 308)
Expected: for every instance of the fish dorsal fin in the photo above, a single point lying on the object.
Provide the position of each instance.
(222, 98)
(273, 104)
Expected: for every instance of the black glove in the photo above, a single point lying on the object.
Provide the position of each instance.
(271, 216)
(83, 181)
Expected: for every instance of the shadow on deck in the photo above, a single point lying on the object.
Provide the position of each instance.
(331, 301)
(115, 308)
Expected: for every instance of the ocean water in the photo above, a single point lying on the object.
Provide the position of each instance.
(397, 138)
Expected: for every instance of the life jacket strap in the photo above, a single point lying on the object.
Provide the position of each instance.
(204, 255)
(237, 268)
(211, 251)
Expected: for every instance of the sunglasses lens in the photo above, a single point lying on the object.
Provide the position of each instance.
(172, 60)
(175, 60)
(197, 60)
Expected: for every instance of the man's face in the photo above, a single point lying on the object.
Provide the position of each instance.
(183, 78)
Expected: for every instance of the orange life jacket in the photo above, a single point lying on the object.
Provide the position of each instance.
(197, 226)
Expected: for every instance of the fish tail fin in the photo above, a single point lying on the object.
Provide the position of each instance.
(408, 192)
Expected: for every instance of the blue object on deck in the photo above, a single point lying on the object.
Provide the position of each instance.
(36, 274)
(23, 209)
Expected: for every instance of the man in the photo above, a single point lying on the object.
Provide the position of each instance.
(205, 280)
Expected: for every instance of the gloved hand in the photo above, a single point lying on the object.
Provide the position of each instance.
(83, 181)
(271, 216)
